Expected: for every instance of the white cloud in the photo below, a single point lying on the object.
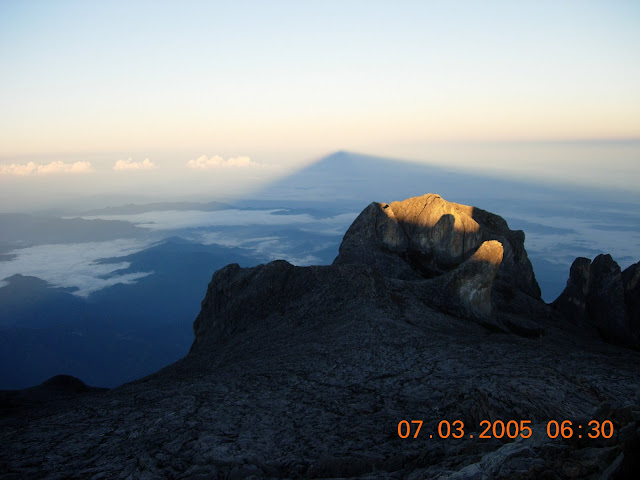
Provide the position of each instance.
(129, 164)
(32, 168)
(209, 163)
(268, 247)
(584, 241)
(174, 219)
(76, 265)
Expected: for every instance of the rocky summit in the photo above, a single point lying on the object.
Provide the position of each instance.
(430, 316)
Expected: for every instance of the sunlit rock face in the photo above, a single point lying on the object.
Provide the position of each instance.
(430, 233)
(427, 237)
(433, 236)
(470, 284)
(444, 231)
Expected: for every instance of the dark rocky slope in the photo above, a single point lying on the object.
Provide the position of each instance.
(305, 372)
(599, 296)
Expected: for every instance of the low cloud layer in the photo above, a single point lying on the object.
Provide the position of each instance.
(579, 237)
(75, 265)
(32, 168)
(210, 163)
(129, 165)
(270, 247)
(175, 220)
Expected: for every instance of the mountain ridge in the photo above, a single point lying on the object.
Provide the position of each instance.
(307, 372)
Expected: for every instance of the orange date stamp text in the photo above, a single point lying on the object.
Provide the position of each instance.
(509, 429)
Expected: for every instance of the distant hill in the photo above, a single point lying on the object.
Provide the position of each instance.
(119, 333)
(23, 229)
(172, 294)
(30, 302)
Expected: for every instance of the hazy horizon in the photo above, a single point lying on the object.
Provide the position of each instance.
(31, 184)
(143, 101)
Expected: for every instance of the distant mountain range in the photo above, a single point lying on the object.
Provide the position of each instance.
(21, 229)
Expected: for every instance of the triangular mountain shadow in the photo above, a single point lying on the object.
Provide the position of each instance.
(349, 180)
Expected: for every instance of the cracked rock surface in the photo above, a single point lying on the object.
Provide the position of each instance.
(305, 372)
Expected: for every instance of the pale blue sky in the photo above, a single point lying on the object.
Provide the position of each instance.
(284, 82)
(95, 75)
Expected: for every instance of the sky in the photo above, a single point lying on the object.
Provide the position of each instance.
(258, 88)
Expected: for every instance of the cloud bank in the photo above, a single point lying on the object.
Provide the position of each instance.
(32, 168)
(175, 220)
(210, 163)
(129, 164)
(76, 265)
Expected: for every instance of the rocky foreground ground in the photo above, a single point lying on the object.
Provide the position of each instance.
(431, 312)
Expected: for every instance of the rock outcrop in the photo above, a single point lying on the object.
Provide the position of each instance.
(428, 236)
(59, 389)
(424, 244)
(631, 282)
(306, 372)
(599, 295)
(469, 286)
(446, 245)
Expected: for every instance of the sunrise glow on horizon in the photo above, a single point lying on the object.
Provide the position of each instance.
(215, 98)
(94, 76)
